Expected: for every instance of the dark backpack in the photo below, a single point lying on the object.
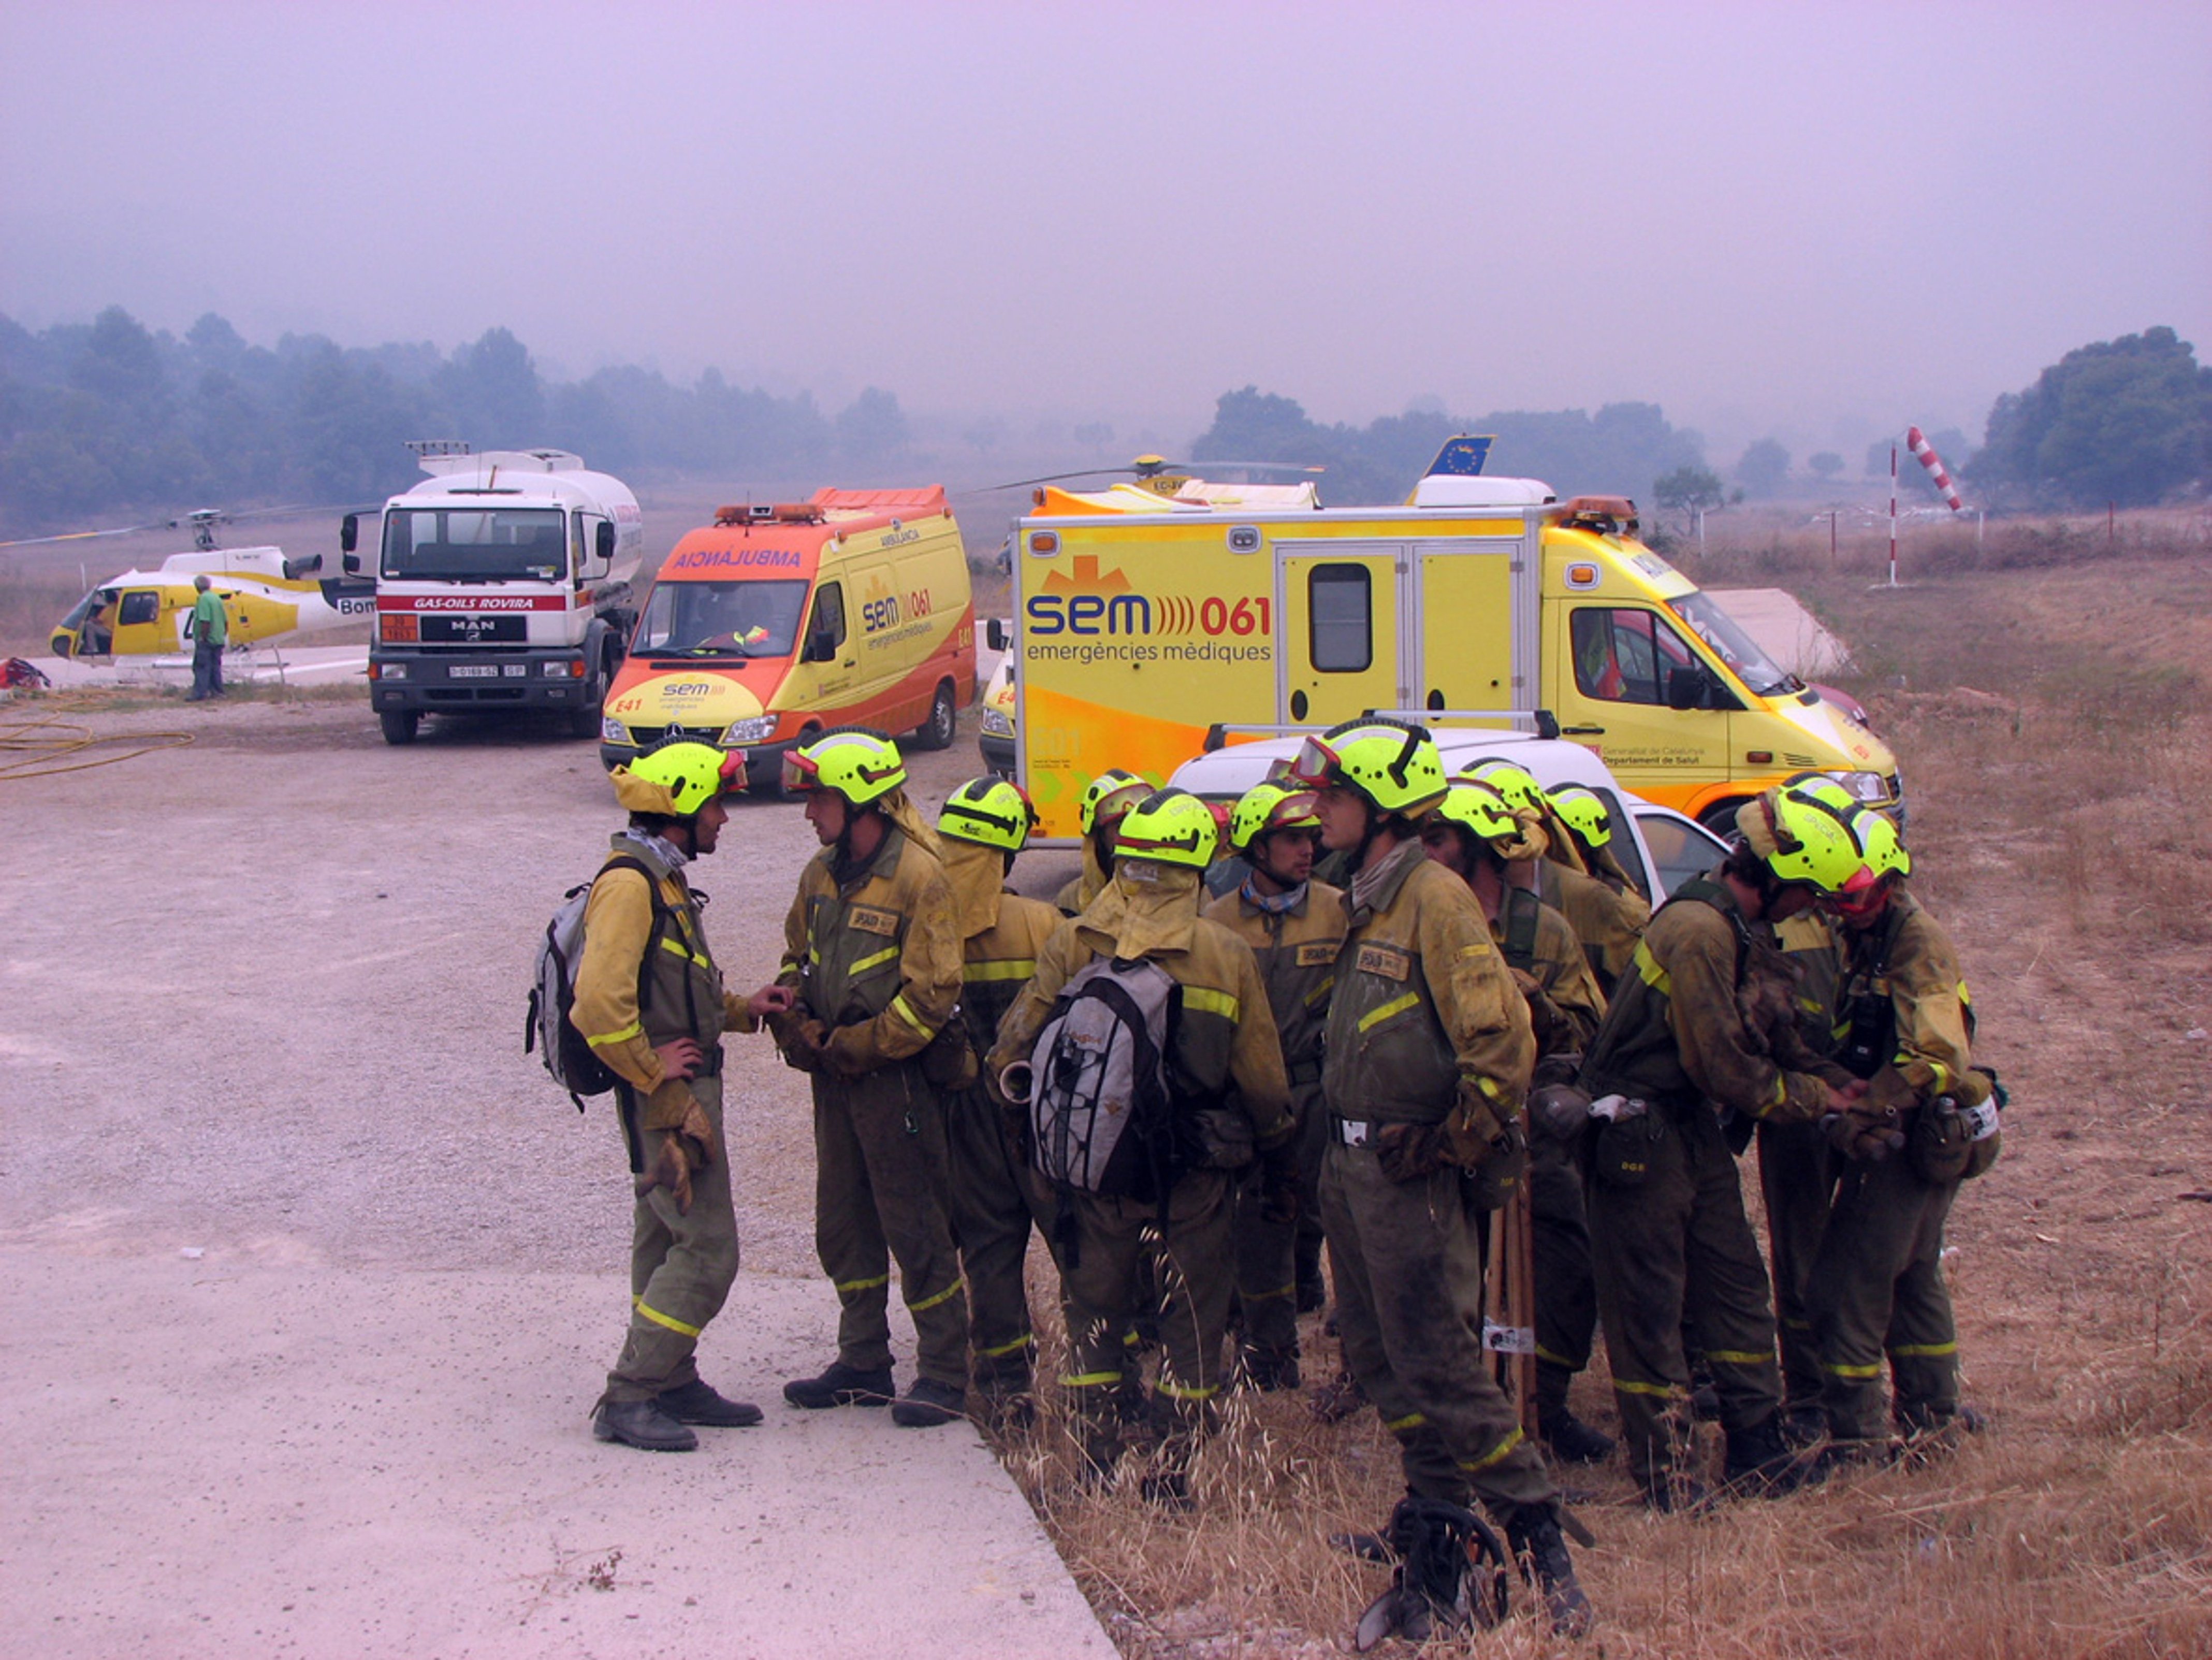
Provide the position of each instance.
(546, 1028)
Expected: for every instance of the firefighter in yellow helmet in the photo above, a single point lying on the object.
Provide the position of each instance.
(1295, 926)
(873, 957)
(1427, 1058)
(1876, 1292)
(1596, 898)
(1705, 1022)
(1214, 1100)
(1474, 835)
(991, 1198)
(1106, 801)
(649, 1001)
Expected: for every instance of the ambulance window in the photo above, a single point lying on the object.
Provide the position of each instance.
(1624, 656)
(826, 632)
(138, 608)
(1341, 611)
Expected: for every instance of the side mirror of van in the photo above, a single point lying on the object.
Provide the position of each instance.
(350, 537)
(995, 634)
(1686, 688)
(605, 543)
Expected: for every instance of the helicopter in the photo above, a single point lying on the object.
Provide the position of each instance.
(1158, 476)
(266, 595)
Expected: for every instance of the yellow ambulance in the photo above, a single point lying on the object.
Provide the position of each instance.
(1150, 627)
(777, 622)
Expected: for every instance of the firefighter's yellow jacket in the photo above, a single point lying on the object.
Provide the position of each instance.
(1426, 1025)
(1226, 1044)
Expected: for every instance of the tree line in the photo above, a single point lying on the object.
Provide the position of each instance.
(108, 417)
(102, 418)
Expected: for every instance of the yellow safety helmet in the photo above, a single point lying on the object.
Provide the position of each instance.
(1109, 795)
(1269, 806)
(993, 811)
(1395, 765)
(1803, 841)
(674, 780)
(860, 765)
(1583, 809)
(1873, 830)
(1515, 783)
(1170, 826)
(1479, 810)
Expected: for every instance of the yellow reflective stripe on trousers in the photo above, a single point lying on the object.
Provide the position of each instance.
(1412, 1420)
(1653, 976)
(998, 1349)
(1550, 1359)
(1178, 1392)
(1222, 1003)
(1089, 1380)
(929, 1303)
(1664, 1391)
(899, 1007)
(645, 1310)
(1013, 968)
(1395, 1006)
(1857, 1373)
(633, 1030)
(1476, 1466)
(867, 962)
(1290, 1290)
(1741, 1356)
(844, 1286)
(1925, 1351)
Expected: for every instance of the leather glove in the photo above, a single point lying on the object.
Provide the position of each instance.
(1407, 1153)
(698, 1133)
(1279, 1184)
(842, 1053)
(801, 1038)
(671, 1168)
(1867, 1132)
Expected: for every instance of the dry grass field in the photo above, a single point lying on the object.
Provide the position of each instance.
(2046, 690)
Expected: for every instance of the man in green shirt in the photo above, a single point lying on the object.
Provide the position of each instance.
(210, 629)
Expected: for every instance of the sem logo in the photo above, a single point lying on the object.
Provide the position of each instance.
(881, 608)
(1090, 602)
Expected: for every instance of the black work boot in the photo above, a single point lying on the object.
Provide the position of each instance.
(1574, 1441)
(1674, 1493)
(841, 1386)
(1533, 1533)
(1761, 1465)
(699, 1403)
(928, 1403)
(1268, 1369)
(1804, 1424)
(640, 1424)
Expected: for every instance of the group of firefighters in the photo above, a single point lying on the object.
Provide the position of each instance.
(1481, 999)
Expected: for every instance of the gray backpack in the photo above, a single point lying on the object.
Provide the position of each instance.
(1102, 1116)
(546, 1028)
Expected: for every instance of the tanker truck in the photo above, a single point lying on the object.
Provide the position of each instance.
(502, 588)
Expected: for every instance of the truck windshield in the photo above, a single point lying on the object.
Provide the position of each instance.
(475, 545)
(1736, 649)
(722, 619)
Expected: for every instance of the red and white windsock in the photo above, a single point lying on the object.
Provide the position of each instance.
(1917, 441)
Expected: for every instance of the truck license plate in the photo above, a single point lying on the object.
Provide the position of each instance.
(515, 671)
(473, 672)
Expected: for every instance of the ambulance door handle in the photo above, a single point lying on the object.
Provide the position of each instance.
(1582, 732)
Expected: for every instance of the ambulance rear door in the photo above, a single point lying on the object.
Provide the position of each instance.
(1475, 602)
(1344, 636)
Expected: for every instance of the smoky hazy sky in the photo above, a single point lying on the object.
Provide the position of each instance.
(1823, 220)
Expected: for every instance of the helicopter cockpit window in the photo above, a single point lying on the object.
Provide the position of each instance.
(722, 619)
(475, 545)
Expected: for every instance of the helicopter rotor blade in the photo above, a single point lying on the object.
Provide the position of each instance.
(88, 535)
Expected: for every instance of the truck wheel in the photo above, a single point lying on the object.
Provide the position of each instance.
(1719, 817)
(936, 732)
(398, 724)
(584, 722)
